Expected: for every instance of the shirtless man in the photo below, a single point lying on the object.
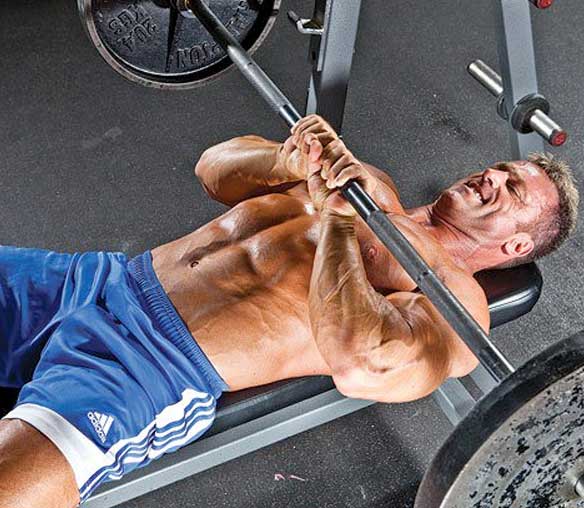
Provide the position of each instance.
(121, 361)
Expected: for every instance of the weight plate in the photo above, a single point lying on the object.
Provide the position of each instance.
(150, 42)
(522, 445)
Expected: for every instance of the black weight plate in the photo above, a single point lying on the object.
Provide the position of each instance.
(522, 445)
(152, 43)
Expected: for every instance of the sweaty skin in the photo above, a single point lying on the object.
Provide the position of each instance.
(289, 282)
(284, 285)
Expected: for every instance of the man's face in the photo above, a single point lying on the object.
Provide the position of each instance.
(489, 206)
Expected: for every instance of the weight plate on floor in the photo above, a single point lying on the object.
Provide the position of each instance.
(522, 445)
(150, 42)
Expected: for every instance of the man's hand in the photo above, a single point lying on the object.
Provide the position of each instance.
(304, 146)
(315, 153)
(309, 128)
(299, 165)
(334, 167)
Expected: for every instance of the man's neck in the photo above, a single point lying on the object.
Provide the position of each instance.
(460, 246)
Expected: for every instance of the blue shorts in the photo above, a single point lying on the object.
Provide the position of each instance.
(108, 371)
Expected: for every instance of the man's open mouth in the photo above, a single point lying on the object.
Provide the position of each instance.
(475, 187)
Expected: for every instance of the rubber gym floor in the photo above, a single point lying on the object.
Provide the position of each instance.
(90, 161)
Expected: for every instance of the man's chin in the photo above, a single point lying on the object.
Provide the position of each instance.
(450, 207)
(450, 201)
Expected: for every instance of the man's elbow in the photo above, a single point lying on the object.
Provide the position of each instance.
(208, 171)
(204, 164)
(404, 384)
(350, 382)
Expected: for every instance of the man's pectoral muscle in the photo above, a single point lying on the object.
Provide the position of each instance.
(390, 349)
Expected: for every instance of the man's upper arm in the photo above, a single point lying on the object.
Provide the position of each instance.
(416, 352)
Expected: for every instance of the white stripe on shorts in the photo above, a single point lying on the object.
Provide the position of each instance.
(172, 427)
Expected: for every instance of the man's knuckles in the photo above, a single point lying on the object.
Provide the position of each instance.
(314, 124)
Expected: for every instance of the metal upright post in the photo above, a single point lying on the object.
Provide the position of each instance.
(331, 53)
(517, 63)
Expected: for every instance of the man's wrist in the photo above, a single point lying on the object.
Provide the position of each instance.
(336, 217)
(287, 168)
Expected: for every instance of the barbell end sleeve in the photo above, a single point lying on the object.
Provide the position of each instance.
(241, 59)
(559, 138)
(542, 4)
(547, 128)
(540, 122)
(486, 76)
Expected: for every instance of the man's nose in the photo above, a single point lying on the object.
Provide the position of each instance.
(495, 178)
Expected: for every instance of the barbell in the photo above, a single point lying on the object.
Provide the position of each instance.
(522, 443)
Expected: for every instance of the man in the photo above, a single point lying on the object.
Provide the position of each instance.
(123, 361)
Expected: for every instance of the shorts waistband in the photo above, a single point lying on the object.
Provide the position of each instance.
(161, 310)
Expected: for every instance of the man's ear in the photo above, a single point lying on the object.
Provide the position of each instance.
(518, 246)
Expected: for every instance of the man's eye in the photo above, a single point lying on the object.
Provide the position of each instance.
(512, 188)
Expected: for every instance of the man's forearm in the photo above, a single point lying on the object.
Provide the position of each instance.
(345, 311)
(244, 167)
(388, 349)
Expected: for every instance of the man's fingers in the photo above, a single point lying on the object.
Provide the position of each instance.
(343, 162)
(307, 143)
(333, 151)
(301, 127)
(315, 150)
(349, 173)
(313, 167)
(330, 155)
(310, 132)
(300, 123)
(317, 129)
(327, 162)
(316, 125)
(307, 120)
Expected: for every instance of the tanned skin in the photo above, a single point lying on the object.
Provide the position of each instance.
(290, 282)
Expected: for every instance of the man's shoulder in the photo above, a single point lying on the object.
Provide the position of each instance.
(423, 241)
(458, 278)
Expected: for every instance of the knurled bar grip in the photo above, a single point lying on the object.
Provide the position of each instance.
(426, 279)
(539, 121)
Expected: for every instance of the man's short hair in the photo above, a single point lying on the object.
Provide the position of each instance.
(557, 223)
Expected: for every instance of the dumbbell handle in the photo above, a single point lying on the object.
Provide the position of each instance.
(540, 122)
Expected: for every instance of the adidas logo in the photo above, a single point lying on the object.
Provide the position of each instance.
(101, 423)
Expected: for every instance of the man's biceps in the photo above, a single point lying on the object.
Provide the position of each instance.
(414, 309)
(444, 350)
